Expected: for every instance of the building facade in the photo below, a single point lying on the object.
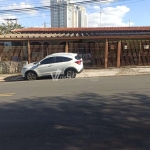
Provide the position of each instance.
(99, 47)
(65, 14)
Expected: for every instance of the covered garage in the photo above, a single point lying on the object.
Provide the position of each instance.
(99, 47)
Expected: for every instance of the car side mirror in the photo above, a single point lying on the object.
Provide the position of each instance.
(39, 64)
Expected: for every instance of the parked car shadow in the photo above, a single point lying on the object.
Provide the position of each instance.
(20, 78)
(14, 78)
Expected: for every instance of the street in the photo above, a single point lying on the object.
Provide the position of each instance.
(103, 113)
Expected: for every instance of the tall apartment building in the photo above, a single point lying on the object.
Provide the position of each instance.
(64, 14)
(82, 17)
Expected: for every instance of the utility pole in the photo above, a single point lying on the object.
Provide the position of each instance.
(44, 24)
(10, 20)
(100, 15)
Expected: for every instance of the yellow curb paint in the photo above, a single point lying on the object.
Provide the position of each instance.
(7, 94)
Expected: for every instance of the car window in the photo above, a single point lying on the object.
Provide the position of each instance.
(77, 57)
(47, 61)
(61, 59)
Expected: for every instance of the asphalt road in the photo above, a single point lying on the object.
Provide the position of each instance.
(79, 114)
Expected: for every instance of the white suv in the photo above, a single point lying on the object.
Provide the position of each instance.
(67, 64)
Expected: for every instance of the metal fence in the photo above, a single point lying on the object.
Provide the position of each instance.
(13, 53)
(91, 53)
(133, 52)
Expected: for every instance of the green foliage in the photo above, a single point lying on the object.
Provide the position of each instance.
(6, 28)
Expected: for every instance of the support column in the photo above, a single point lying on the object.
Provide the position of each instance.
(21, 54)
(47, 49)
(118, 53)
(29, 52)
(106, 53)
(66, 47)
(140, 53)
(42, 50)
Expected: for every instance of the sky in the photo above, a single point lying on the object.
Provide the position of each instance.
(113, 13)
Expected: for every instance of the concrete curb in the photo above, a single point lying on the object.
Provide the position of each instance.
(91, 73)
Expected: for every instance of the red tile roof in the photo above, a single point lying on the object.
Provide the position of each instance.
(144, 28)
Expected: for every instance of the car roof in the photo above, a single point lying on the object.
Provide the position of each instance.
(62, 54)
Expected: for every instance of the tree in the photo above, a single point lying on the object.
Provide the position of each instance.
(6, 28)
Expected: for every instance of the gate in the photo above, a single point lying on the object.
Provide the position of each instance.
(91, 53)
(130, 52)
(112, 53)
(135, 52)
(145, 53)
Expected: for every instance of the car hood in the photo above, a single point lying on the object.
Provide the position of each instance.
(30, 65)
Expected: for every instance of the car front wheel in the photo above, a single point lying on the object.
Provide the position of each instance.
(31, 76)
(70, 73)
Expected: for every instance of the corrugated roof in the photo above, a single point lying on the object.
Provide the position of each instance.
(144, 28)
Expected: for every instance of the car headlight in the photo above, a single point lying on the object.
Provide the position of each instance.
(24, 68)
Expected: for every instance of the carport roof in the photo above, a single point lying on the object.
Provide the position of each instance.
(37, 30)
(86, 32)
(77, 33)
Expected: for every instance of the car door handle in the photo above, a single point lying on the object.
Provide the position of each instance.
(50, 66)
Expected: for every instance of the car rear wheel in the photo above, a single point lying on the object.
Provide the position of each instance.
(31, 76)
(70, 73)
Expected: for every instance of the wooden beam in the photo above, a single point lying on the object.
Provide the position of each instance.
(29, 52)
(118, 53)
(139, 63)
(77, 38)
(42, 51)
(66, 47)
(106, 53)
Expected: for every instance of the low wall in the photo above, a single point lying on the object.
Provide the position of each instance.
(11, 67)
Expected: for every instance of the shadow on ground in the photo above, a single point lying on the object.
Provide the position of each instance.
(13, 78)
(20, 78)
(80, 122)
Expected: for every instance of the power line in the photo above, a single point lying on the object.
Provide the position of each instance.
(22, 10)
(79, 2)
(47, 8)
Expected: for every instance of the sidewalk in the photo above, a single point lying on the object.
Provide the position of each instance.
(87, 73)
(114, 72)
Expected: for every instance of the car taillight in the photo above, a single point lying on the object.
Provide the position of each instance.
(78, 62)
